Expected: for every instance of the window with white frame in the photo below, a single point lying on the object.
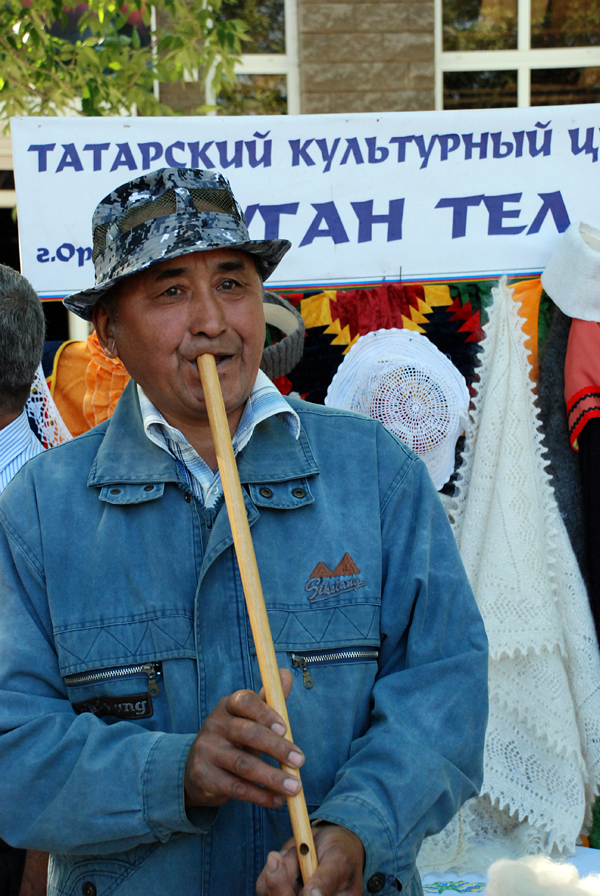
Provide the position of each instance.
(493, 53)
(267, 75)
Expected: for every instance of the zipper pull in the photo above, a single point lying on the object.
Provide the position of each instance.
(150, 670)
(300, 663)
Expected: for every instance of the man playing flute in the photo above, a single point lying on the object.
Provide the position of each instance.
(135, 746)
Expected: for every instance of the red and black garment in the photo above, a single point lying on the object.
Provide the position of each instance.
(582, 376)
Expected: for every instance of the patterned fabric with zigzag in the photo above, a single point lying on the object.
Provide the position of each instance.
(450, 315)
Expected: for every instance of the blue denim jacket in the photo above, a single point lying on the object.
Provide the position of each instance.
(120, 595)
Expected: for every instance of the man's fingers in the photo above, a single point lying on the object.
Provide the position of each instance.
(286, 684)
(232, 738)
(225, 786)
(341, 859)
(278, 877)
(249, 776)
(286, 681)
(244, 765)
(248, 705)
(255, 738)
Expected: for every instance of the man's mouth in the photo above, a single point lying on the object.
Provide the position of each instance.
(221, 358)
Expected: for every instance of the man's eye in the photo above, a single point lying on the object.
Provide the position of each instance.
(172, 291)
(229, 284)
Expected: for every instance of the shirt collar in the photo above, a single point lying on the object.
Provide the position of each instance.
(264, 401)
(14, 439)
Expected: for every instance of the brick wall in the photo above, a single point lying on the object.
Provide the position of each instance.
(366, 57)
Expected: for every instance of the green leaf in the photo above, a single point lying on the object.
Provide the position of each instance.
(103, 69)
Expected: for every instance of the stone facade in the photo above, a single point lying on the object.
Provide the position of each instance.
(354, 56)
(358, 56)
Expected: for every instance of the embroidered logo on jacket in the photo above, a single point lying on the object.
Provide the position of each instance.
(131, 706)
(324, 582)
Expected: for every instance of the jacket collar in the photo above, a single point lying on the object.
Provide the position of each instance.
(274, 455)
(127, 455)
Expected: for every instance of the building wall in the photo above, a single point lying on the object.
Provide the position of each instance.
(366, 57)
(184, 98)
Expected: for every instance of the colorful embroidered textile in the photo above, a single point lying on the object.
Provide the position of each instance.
(449, 315)
(582, 376)
(451, 886)
(542, 757)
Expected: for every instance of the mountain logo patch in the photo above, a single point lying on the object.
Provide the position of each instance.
(324, 582)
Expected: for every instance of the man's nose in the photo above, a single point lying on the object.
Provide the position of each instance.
(206, 313)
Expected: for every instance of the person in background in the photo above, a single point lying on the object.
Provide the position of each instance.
(22, 330)
(21, 345)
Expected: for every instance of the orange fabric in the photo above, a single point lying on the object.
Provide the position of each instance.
(86, 384)
(69, 386)
(105, 380)
(529, 293)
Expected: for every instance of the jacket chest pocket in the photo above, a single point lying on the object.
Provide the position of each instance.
(330, 647)
(329, 707)
(142, 670)
(307, 661)
(123, 692)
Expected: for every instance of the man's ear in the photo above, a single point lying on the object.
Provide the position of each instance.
(105, 329)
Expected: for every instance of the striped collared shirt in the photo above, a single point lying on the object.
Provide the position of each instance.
(264, 401)
(17, 445)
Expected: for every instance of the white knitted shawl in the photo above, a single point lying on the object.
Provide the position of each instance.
(542, 752)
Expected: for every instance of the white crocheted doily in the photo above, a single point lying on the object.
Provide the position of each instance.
(400, 378)
(542, 753)
(41, 408)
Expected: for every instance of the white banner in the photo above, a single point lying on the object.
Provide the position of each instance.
(363, 198)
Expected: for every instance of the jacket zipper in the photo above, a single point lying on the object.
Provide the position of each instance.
(344, 654)
(152, 670)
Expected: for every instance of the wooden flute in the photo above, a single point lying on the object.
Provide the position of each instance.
(255, 602)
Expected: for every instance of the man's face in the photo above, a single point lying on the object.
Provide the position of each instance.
(207, 301)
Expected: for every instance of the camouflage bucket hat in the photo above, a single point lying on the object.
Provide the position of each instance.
(164, 214)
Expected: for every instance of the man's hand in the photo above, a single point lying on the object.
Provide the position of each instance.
(341, 857)
(35, 875)
(223, 762)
